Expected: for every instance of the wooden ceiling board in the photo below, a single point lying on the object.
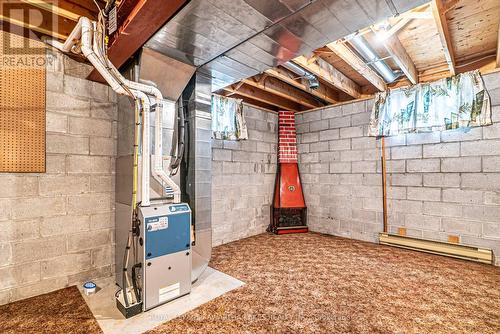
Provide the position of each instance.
(343, 67)
(421, 40)
(473, 27)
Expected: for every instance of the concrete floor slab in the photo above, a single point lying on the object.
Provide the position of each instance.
(211, 284)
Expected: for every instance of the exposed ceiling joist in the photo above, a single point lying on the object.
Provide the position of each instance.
(264, 97)
(323, 92)
(146, 17)
(44, 29)
(357, 64)
(279, 88)
(397, 26)
(334, 77)
(422, 12)
(251, 101)
(438, 11)
(401, 57)
(418, 15)
(61, 8)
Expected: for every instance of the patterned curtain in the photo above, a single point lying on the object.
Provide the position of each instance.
(227, 118)
(460, 101)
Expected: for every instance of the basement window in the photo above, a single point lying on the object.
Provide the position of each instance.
(457, 102)
(228, 121)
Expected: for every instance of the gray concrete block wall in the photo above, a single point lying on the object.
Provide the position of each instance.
(56, 228)
(243, 174)
(439, 184)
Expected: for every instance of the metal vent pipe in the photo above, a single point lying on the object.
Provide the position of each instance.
(372, 57)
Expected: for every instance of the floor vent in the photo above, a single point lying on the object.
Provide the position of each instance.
(436, 247)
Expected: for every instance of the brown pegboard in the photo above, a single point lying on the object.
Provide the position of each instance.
(22, 105)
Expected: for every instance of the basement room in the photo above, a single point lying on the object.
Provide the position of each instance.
(249, 166)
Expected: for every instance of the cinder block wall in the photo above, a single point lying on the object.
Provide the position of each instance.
(439, 184)
(56, 228)
(243, 174)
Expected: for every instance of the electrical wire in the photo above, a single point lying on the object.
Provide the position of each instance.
(181, 134)
(97, 5)
(476, 60)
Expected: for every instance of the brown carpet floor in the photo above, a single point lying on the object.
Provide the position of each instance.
(309, 283)
(63, 311)
(313, 283)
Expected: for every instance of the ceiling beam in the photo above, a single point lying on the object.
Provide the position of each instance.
(401, 57)
(438, 11)
(347, 55)
(331, 75)
(323, 92)
(146, 17)
(62, 8)
(34, 27)
(36, 19)
(277, 87)
(264, 97)
(248, 100)
(397, 27)
(418, 15)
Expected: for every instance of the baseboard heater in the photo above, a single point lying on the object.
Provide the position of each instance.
(476, 254)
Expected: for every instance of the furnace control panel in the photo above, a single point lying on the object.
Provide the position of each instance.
(167, 229)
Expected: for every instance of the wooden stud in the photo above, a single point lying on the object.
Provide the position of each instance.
(357, 64)
(279, 88)
(444, 33)
(323, 92)
(264, 97)
(333, 77)
(384, 186)
(401, 57)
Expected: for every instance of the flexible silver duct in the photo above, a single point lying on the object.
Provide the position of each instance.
(311, 78)
(372, 57)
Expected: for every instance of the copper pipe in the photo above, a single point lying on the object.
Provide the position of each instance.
(384, 184)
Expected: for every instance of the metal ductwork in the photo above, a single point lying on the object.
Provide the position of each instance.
(371, 56)
(234, 40)
(311, 78)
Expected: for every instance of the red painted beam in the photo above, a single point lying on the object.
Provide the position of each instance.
(143, 20)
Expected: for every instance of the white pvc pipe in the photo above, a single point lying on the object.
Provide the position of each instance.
(89, 47)
(73, 37)
(157, 168)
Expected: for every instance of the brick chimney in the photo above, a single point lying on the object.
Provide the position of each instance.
(288, 211)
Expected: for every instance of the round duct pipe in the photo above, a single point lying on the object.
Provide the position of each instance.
(372, 57)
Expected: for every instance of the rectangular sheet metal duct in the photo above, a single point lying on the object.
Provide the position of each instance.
(237, 39)
(470, 253)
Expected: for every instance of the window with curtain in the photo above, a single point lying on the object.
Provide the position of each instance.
(228, 121)
(460, 101)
